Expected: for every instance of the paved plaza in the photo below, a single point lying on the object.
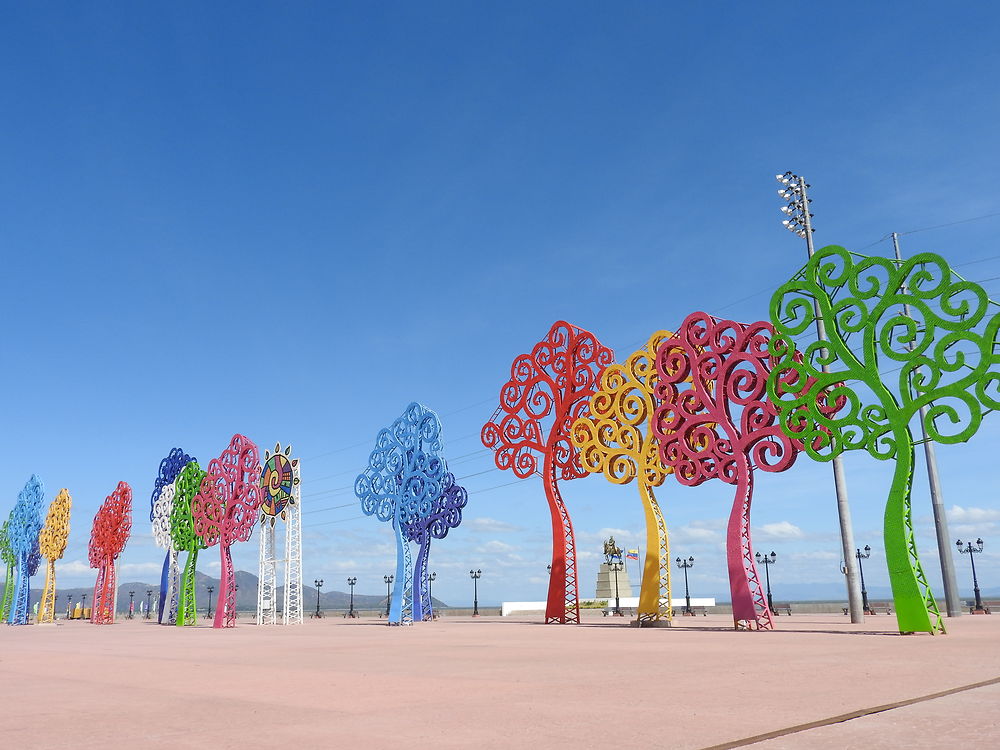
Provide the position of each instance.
(489, 682)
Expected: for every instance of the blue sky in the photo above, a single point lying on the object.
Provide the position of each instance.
(291, 222)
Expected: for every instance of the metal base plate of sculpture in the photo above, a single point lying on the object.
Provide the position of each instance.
(943, 361)
(549, 389)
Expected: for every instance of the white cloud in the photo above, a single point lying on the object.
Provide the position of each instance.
(780, 530)
(490, 525)
(496, 546)
(75, 568)
(958, 514)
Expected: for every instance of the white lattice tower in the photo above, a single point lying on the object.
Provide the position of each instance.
(292, 611)
(266, 573)
(282, 501)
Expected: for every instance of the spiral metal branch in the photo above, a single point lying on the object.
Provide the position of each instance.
(184, 538)
(860, 300)
(9, 560)
(161, 505)
(549, 389)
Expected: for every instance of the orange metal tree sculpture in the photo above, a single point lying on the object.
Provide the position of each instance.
(549, 389)
(52, 545)
(108, 537)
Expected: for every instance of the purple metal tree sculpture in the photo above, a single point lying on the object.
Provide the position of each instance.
(444, 514)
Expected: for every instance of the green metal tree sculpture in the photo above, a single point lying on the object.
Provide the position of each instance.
(902, 335)
(185, 539)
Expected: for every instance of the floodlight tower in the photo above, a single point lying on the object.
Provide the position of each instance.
(280, 481)
(794, 190)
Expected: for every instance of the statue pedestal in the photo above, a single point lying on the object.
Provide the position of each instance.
(606, 583)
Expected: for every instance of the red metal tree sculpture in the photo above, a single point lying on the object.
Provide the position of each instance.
(548, 390)
(108, 537)
(225, 511)
(721, 425)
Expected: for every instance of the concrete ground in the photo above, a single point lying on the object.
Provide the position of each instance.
(497, 683)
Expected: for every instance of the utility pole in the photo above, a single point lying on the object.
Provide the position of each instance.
(937, 505)
(800, 223)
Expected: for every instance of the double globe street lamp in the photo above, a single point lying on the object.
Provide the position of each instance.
(971, 551)
(684, 565)
(350, 582)
(318, 583)
(475, 575)
(767, 561)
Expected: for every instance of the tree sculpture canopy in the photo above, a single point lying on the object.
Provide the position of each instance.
(112, 527)
(942, 356)
(182, 530)
(170, 467)
(52, 539)
(548, 390)
(26, 524)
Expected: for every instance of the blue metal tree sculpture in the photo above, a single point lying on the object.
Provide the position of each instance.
(25, 525)
(160, 507)
(444, 514)
(405, 476)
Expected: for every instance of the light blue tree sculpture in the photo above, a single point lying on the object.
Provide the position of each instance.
(25, 525)
(404, 478)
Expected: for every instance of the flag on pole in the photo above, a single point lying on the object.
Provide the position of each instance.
(632, 554)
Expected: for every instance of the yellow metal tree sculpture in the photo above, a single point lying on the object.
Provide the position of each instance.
(52, 545)
(616, 439)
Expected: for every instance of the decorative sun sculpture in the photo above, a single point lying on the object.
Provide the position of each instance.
(108, 537)
(280, 483)
(52, 545)
(433, 521)
(161, 506)
(549, 389)
(714, 422)
(225, 511)
(942, 356)
(404, 477)
(23, 529)
(9, 561)
(184, 538)
(617, 439)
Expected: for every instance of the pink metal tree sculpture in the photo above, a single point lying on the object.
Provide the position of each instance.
(225, 511)
(714, 421)
(108, 537)
(549, 389)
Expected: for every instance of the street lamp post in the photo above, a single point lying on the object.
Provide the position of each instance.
(861, 571)
(350, 582)
(616, 566)
(131, 605)
(475, 575)
(685, 564)
(83, 604)
(210, 590)
(318, 583)
(799, 221)
(767, 561)
(972, 552)
(388, 591)
(69, 606)
(149, 598)
(430, 593)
